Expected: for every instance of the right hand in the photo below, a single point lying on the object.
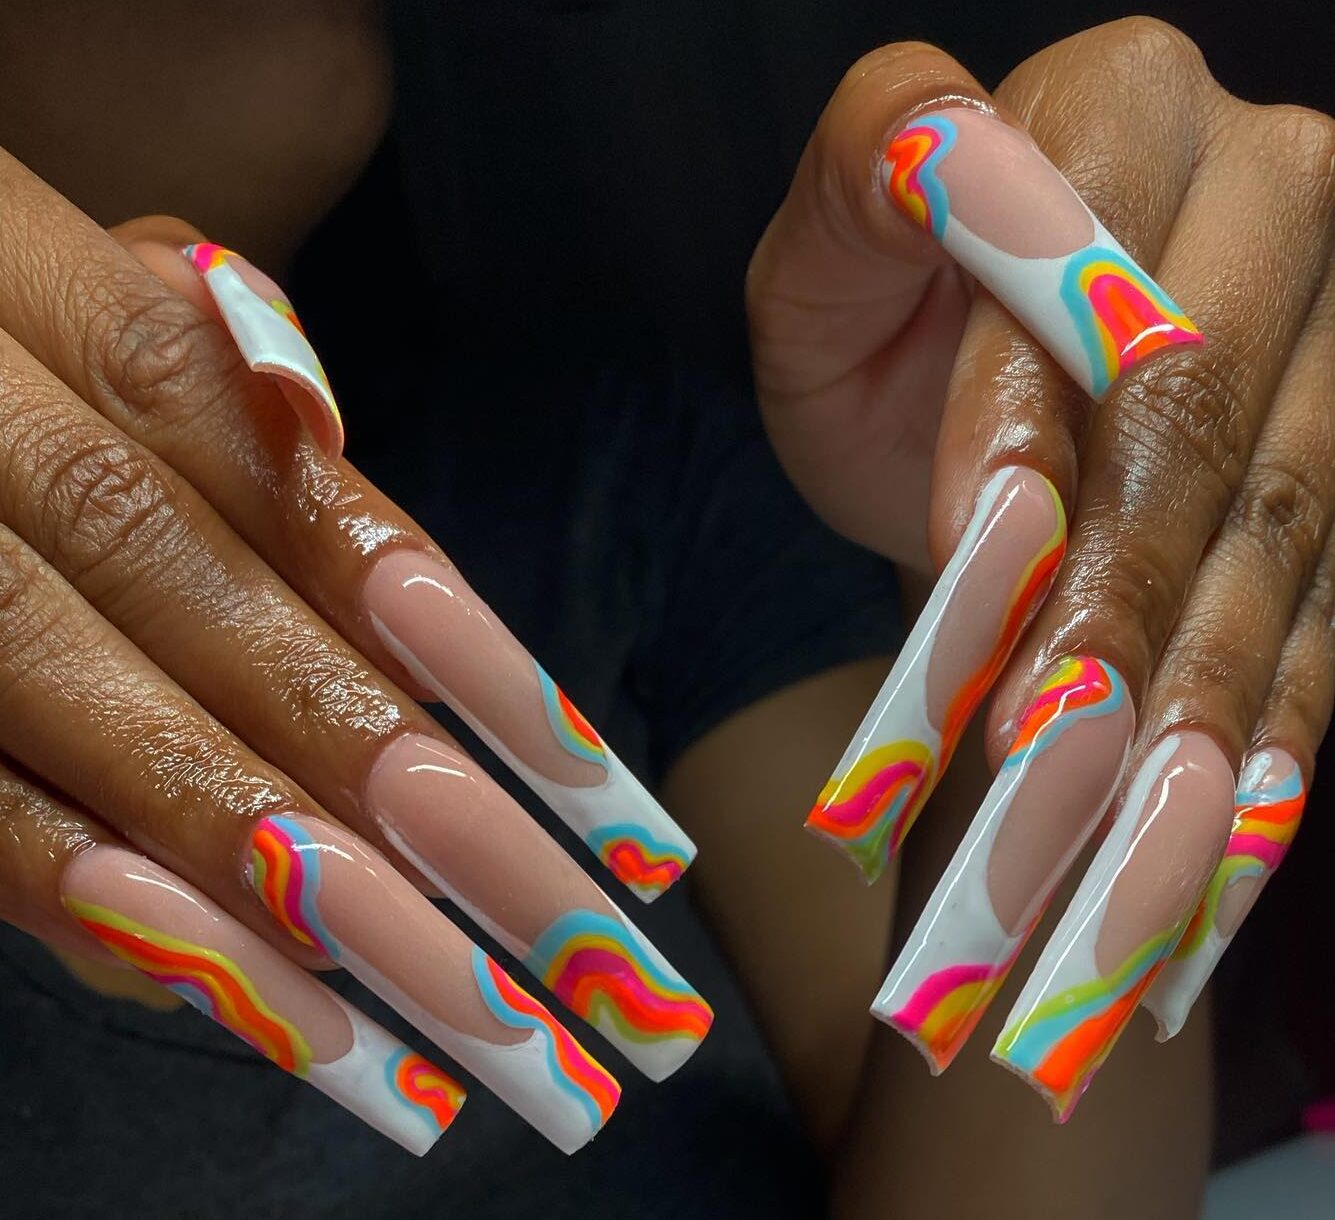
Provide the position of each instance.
(200, 749)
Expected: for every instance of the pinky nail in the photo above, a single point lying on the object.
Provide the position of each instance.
(1267, 810)
(333, 892)
(996, 579)
(1053, 787)
(175, 935)
(429, 618)
(264, 327)
(987, 193)
(1124, 921)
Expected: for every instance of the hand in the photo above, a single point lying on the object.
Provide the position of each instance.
(199, 607)
(933, 282)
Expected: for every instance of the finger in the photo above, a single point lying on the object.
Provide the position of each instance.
(1268, 806)
(69, 881)
(1065, 761)
(85, 712)
(143, 356)
(941, 166)
(147, 552)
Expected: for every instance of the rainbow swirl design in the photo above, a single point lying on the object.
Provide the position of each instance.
(637, 858)
(576, 735)
(1030, 589)
(424, 1088)
(868, 810)
(573, 1070)
(208, 980)
(1076, 688)
(206, 256)
(910, 166)
(1120, 314)
(285, 871)
(1264, 823)
(1063, 1041)
(595, 965)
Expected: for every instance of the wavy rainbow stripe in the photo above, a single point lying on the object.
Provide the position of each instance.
(637, 858)
(1064, 1040)
(424, 1088)
(911, 161)
(206, 256)
(949, 1003)
(285, 871)
(1029, 590)
(597, 968)
(572, 1068)
(1077, 687)
(1120, 314)
(211, 982)
(868, 810)
(1264, 824)
(576, 735)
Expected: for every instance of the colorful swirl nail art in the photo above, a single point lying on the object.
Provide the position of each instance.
(1268, 810)
(637, 859)
(572, 1068)
(249, 302)
(999, 574)
(210, 982)
(432, 1095)
(285, 870)
(1053, 786)
(576, 735)
(1125, 921)
(602, 969)
(986, 192)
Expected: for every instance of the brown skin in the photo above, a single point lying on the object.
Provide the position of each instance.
(196, 137)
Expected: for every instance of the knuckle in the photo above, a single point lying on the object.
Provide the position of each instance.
(1184, 405)
(1138, 591)
(1283, 510)
(1302, 143)
(25, 621)
(1155, 47)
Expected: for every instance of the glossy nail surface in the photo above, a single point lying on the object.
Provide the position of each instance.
(488, 856)
(987, 193)
(1124, 921)
(446, 637)
(1053, 787)
(335, 893)
(1268, 808)
(1000, 572)
(160, 925)
(264, 327)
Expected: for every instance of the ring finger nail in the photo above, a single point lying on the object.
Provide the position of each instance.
(1000, 572)
(1269, 806)
(264, 327)
(987, 193)
(471, 840)
(1052, 789)
(438, 628)
(176, 936)
(1124, 921)
(335, 893)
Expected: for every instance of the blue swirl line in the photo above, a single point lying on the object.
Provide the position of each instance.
(548, 947)
(1050, 732)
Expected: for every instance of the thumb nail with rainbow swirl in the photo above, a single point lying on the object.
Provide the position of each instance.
(447, 638)
(333, 892)
(987, 193)
(1125, 920)
(1055, 784)
(264, 327)
(183, 940)
(1266, 813)
(996, 579)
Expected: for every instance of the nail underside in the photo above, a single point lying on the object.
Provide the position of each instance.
(265, 328)
(1000, 572)
(440, 631)
(172, 933)
(333, 892)
(1125, 920)
(986, 192)
(1268, 808)
(472, 841)
(1053, 787)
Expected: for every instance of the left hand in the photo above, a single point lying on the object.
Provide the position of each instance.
(904, 378)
